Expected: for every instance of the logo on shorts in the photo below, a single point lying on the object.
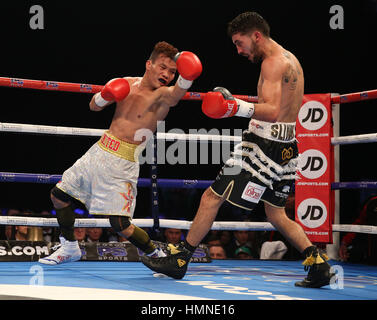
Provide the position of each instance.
(287, 154)
(128, 197)
(286, 189)
(253, 192)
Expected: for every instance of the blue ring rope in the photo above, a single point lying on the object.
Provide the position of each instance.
(161, 183)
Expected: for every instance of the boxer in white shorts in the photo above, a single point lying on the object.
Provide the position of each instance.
(105, 178)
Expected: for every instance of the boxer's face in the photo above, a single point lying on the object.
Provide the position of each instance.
(162, 71)
(248, 46)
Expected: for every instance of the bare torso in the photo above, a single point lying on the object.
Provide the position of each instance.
(292, 84)
(140, 110)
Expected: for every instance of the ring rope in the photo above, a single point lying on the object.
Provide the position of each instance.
(142, 182)
(74, 131)
(92, 88)
(169, 223)
(161, 183)
(87, 88)
(361, 138)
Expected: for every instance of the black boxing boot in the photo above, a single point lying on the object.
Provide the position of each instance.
(319, 274)
(175, 264)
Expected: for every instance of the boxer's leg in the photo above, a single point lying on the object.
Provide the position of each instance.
(290, 229)
(64, 213)
(175, 265)
(209, 206)
(319, 270)
(69, 250)
(137, 236)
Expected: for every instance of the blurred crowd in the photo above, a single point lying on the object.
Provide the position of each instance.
(222, 244)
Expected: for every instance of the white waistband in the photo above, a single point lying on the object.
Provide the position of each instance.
(276, 131)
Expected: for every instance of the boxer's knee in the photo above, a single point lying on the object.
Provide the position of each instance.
(137, 236)
(120, 223)
(59, 198)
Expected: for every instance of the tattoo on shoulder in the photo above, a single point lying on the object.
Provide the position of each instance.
(290, 78)
(287, 55)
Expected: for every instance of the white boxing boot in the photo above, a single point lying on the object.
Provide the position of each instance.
(69, 251)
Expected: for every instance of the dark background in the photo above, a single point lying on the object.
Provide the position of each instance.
(92, 42)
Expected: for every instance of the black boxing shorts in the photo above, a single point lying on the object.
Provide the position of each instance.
(262, 167)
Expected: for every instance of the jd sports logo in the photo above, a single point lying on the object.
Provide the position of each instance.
(313, 164)
(312, 115)
(312, 213)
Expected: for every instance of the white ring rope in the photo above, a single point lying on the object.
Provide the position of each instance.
(361, 138)
(54, 130)
(169, 223)
(72, 131)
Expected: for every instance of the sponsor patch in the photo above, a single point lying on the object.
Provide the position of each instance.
(253, 192)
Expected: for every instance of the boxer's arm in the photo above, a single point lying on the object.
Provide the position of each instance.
(93, 106)
(272, 72)
(170, 96)
(114, 91)
(189, 68)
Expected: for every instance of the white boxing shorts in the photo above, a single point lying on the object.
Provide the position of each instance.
(104, 179)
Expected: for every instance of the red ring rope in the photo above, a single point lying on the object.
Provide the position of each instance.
(92, 88)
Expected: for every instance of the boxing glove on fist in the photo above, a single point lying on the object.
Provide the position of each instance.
(221, 104)
(189, 68)
(115, 90)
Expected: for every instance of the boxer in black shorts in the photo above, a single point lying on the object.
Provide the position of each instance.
(263, 166)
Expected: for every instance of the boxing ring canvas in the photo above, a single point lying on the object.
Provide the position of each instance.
(219, 280)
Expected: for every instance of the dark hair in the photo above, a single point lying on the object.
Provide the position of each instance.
(164, 48)
(247, 22)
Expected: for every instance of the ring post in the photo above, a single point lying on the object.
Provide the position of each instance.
(313, 195)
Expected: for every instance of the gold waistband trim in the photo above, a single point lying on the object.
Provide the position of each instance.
(120, 148)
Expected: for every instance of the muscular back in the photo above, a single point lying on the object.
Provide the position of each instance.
(292, 85)
(140, 110)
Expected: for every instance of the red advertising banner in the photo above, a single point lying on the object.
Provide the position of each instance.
(314, 199)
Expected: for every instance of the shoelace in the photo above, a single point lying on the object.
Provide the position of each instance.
(173, 249)
(310, 261)
(56, 247)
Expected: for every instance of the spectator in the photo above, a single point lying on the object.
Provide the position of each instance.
(240, 238)
(21, 233)
(10, 230)
(244, 253)
(225, 237)
(80, 234)
(94, 235)
(213, 240)
(173, 235)
(50, 234)
(361, 247)
(217, 252)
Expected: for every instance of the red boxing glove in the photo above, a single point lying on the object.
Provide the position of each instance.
(189, 68)
(221, 104)
(215, 106)
(115, 90)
